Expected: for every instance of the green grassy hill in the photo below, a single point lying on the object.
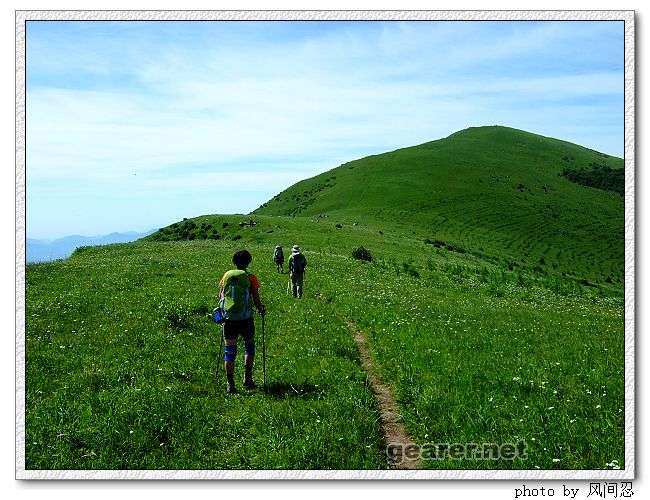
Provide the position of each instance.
(495, 191)
(493, 310)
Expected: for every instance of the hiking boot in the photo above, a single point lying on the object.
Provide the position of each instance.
(248, 378)
(231, 384)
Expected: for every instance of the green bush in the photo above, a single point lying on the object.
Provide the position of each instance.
(435, 243)
(410, 269)
(599, 176)
(361, 253)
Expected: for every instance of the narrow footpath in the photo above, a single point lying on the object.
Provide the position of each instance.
(391, 423)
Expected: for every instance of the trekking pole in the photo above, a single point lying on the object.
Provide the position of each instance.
(219, 359)
(263, 356)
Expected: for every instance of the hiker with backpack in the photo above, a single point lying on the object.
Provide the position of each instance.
(239, 290)
(297, 265)
(278, 258)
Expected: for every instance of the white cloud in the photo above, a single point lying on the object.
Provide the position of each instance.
(265, 114)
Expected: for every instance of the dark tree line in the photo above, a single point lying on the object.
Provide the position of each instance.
(597, 176)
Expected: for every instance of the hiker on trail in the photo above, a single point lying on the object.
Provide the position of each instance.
(297, 265)
(239, 289)
(278, 258)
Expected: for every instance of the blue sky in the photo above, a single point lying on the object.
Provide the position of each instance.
(134, 125)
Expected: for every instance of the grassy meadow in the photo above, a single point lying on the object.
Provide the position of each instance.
(492, 319)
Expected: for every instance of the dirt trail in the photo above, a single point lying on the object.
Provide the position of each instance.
(391, 424)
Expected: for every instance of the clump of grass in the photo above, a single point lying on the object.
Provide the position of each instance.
(179, 316)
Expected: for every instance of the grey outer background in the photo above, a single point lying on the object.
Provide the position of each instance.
(277, 15)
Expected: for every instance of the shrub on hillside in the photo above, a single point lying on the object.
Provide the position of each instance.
(455, 248)
(410, 269)
(435, 243)
(362, 253)
(599, 176)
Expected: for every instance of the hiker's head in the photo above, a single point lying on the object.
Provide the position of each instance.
(295, 249)
(242, 259)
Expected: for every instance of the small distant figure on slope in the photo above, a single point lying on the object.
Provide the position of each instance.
(239, 290)
(297, 265)
(278, 258)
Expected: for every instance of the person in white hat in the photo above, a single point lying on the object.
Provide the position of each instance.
(297, 265)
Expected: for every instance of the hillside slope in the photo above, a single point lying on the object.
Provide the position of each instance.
(489, 190)
(122, 356)
(468, 256)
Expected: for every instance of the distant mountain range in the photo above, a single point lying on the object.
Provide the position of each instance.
(61, 248)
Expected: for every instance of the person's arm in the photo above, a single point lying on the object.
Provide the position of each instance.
(255, 291)
(220, 292)
(258, 302)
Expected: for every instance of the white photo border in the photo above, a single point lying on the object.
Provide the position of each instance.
(628, 17)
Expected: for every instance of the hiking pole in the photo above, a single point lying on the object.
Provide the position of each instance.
(263, 355)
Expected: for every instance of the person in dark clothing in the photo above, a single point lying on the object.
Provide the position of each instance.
(278, 258)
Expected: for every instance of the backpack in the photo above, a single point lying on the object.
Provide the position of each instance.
(278, 255)
(298, 263)
(235, 300)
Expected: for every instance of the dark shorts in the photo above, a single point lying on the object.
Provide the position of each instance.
(233, 329)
